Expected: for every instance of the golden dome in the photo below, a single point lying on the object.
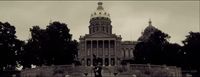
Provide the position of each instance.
(100, 12)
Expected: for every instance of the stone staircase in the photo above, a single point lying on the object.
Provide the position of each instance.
(138, 70)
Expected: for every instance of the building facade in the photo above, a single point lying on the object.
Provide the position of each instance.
(101, 43)
(110, 50)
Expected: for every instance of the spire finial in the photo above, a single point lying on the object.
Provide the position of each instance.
(150, 23)
(100, 3)
(100, 6)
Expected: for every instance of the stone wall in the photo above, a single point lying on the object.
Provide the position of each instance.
(130, 70)
(147, 70)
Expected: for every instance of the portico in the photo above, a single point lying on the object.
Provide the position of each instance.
(103, 49)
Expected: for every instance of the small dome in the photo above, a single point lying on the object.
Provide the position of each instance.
(147, 32)
(150, 28)
(100, 12)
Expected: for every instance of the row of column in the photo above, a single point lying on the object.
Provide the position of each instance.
(91, 54)
(127, 53)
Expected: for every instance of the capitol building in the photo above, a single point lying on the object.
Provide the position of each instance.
(101, 43)
(104, 47)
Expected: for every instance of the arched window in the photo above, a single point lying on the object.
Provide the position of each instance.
(103, 28)
(93, 30)
(97, 28)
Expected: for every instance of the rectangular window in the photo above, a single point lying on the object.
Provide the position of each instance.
(88, 62)
(106, 61)
(100, 44)
(112, 61)
(88, 53)
(105, 44)
(94, 44)
(112, 44)
(88, 44)
(107, 30)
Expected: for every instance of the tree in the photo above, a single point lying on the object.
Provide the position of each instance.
(156, 43)
(33, 49)
(157, 50)
(191, 50)
(9, 47)
(53, 45)
(172, 54)
(61, 48)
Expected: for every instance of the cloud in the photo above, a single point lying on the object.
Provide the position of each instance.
(128, 18)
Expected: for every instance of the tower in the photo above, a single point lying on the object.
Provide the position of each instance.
(100, 21)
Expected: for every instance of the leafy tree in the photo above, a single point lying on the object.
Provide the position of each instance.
(33, 50)
(53, 45)
(157, 50)
(172, 54)
(61, 48)
(9, 47)
(191, 50)
(150, 51)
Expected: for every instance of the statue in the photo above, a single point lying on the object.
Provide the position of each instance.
(97, 67)
(97, 71)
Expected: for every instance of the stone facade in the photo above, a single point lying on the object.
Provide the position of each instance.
(101, 43)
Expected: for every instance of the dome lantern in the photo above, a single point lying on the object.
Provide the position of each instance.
(100, 12)
(100, 6)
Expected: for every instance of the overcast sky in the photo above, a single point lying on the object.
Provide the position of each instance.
(129, 18)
